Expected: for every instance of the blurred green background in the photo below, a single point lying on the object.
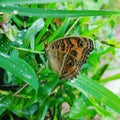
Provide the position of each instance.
(29, 90)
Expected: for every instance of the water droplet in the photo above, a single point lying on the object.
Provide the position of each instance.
(15, 12)
(25, 69)
(6, 49)
(40, 65)
(3, 5)
(27, 76)
(20, 42)
(46, 74)
(47, 30)
(4, 55)
(25, 30)
(7, 43)
(14, 66)
(72, 81)
(20, 35)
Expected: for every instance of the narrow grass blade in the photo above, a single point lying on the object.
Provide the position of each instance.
(55, 13)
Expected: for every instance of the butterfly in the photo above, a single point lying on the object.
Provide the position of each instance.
(67, 55)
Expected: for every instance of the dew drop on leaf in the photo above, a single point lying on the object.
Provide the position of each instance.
(20, 41)
(15, 12)
(20, 35)
(14, 66)
(3, 5)
(4, 55)
(27, 76)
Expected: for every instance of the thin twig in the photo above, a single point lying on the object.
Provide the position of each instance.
(20, 89)
(76, 21)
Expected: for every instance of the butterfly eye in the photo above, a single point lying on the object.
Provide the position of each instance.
(70, 62)
(80, 43)
(74, 53)
(64, 71)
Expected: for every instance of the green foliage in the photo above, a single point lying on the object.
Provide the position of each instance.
(19, 68)
(28, 88)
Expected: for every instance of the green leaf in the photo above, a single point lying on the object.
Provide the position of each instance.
(4, 44)
(42, 109)
(78, 109)
(43, 31)
(47, 89)
(61, 30)
(97, 91)
(110, 78)
(8, 2)
(32, 31)
(20, 69)
(5, 101)
(44, 96)
(55, 13)
(99, 26)
(59, 33)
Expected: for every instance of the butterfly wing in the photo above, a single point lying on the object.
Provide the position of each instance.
(66, 55)
(79, 49)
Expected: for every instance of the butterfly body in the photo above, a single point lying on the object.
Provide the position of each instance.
(66, 55)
